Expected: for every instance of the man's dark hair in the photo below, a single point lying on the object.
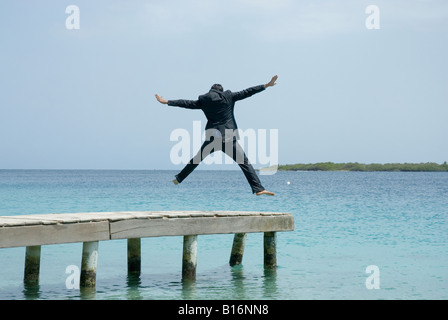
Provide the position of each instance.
(218, 87)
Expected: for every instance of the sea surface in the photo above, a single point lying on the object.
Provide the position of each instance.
(346, 225)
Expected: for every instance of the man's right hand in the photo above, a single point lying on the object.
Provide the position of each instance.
(161, 100)
(272, 82)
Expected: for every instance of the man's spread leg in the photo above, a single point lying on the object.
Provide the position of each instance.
(192, 164)
(241, 159)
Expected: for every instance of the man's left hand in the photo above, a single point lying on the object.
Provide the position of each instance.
(161, 100)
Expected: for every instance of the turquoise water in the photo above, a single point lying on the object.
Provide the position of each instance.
(344, 222)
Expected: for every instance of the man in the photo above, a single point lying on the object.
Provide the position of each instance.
(221, 129)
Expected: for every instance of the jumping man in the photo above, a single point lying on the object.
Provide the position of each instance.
(221, 129)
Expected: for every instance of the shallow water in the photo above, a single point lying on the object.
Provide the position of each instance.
(344, 222)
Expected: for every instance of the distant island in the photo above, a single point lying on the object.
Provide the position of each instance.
(355, 166)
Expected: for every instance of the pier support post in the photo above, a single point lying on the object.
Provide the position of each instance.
(32, 265)
(270, 252)
(89, 264)
(134, 255)
(189, 257)
(236, 256)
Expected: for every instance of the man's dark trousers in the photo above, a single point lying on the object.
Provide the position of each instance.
(233, 150)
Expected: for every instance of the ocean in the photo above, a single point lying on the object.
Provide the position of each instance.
(358, 235)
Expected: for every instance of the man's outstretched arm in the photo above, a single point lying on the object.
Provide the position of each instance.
(253, 90)
(189, 104)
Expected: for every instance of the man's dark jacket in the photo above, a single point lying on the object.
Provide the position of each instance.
(218, 107)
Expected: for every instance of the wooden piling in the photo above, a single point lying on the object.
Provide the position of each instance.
(89, 264)
(134, 255)
(236, 256)
(270, 251)
(189, 257)
(32, 265)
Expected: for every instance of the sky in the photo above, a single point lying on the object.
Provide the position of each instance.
(82, 97)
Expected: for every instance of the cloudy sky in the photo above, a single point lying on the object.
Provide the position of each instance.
(84, 98)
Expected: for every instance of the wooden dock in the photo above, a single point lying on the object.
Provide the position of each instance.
(33, 231)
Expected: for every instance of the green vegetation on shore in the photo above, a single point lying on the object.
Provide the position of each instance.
(355, 166)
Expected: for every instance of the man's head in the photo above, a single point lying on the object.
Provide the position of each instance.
(217, 87)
